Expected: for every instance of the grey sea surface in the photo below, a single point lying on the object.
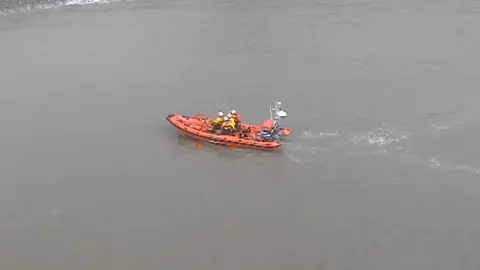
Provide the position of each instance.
(382, 170)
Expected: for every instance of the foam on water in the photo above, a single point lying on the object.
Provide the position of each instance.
(305, 148)
(379, 136)
(309, 134)
(434, 163)
(31, 6)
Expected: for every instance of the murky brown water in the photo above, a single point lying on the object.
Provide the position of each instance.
(382, 171)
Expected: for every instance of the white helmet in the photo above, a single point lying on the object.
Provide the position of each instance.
(220, 114)
(229, 115)
(225, 118)
(233, 112)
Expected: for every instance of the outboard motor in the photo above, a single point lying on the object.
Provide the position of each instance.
(274, 134)
(264, 135)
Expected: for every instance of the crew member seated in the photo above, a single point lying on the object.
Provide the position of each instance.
(217, 122)
(232, 119)
(228, 125)
(236, 118)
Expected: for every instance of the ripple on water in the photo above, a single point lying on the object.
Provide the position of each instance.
(302, 153)
(434, 163)
(379, 137)
(436, 128)
(309, 134)
(10, 8)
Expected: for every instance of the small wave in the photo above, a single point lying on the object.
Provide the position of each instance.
(304, 148)
(308, 134)
(441, 121)
(33, 5)
(293, 158)
(467, 168)
(300, 153)
(378, 137)
(297, 159)
(88, 2)
(439, 128)
(434, 163)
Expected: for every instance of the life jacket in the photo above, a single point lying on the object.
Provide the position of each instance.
(217, 121)
(228, 124)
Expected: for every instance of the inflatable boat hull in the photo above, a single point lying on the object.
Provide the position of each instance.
(198, 128)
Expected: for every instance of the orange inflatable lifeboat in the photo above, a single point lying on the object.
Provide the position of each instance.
(269, 135)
